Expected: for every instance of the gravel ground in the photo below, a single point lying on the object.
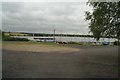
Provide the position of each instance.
(62, 62)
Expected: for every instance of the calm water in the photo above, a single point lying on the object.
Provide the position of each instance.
(74, 39)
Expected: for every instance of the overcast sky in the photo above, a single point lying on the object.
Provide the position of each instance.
(44, 17)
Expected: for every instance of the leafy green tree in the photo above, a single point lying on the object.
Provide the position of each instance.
(105, 19)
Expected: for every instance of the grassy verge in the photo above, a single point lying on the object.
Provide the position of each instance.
(48, 43)
(28, 43)
(52, 44)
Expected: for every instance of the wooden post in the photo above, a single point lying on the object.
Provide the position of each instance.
(54, 35)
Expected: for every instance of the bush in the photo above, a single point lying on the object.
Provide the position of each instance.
(7, 38)
(80, 43)
(61, 42)
(72, 42)
(116, 43)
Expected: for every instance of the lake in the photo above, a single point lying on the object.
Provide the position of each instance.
(73, 39)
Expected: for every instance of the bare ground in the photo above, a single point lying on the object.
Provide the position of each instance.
(43, 61)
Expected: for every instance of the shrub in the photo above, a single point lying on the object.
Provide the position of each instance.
(7, 38)
(72, 42)
(116, 43)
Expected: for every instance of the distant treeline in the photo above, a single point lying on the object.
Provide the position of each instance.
(65, 35)
(9, 38)
(48, 35)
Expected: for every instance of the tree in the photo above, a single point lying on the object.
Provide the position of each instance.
(105, 19)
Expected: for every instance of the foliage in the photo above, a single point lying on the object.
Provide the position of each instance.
(8, 38)
(105, 19)
(47, 35)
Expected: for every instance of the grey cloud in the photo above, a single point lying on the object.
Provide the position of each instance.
(12, 6)
(44, 17)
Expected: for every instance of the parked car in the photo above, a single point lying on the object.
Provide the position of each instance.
(106, 43)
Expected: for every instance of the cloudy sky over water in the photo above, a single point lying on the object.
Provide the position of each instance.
(44, 17)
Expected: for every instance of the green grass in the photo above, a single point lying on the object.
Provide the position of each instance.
(14, 34)
(28, 42)
(49, 43)
(39, 43)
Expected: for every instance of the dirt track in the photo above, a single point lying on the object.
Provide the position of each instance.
(79, 62)
(38, 48)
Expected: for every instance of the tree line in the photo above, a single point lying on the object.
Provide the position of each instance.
(51, 35)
